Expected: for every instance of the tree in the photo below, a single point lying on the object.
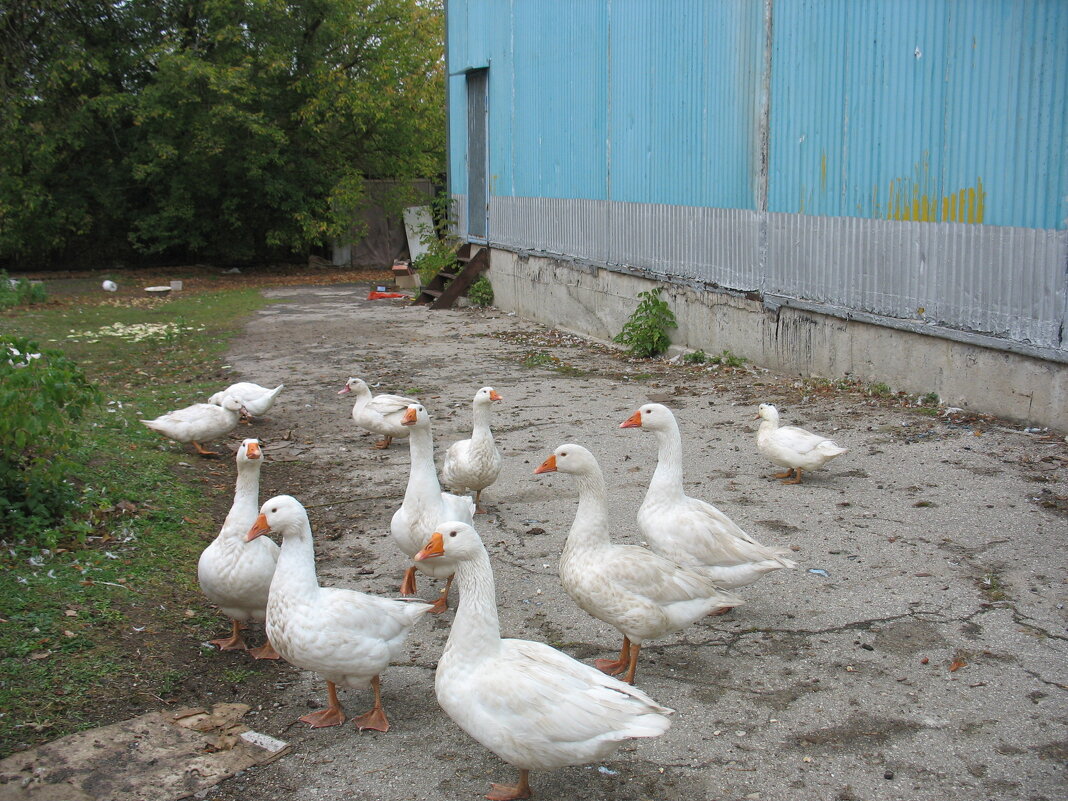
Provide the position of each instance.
(209, 129)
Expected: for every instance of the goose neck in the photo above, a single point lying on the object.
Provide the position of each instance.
(480, 415)
(591, 517)
(422, 476)
(476, 629)
(246, 495)
(295, 571)
(667, 477)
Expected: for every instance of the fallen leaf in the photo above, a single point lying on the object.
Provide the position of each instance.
(69, 634)
(956, 665)
(40, 655)
(70, 612)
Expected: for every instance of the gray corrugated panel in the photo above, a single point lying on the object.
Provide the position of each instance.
(1009, 282)
(1004, 281)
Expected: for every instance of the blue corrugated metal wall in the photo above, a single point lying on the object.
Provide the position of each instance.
(933, 110)
(789, 146)
(920, 110)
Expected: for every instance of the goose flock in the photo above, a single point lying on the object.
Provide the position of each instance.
(532, 705)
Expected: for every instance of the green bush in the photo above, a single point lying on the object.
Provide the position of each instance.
(481, 292)
(43, 394)
(645, 333)
(20, 292)
(440, 244)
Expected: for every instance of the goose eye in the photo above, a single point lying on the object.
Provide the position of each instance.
(452, 533)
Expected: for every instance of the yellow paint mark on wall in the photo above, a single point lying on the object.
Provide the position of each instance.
(823, 172)
(967, 205)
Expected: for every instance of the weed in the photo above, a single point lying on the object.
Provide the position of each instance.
(20, 292)
(697, 357)
(238, 675)
(538, 358)
(481, 292)
(645, 333)
(728, 359)
(880, 390)
(930, 399)
(992, 587)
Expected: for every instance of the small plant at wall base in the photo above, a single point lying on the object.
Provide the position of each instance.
(645, 333)
(481, 292)
(439, 242)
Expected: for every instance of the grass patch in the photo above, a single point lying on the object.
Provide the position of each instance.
(93, 626)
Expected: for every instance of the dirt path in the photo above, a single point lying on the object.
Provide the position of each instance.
(931, 546)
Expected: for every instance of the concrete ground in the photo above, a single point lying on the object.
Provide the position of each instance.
(917, 652)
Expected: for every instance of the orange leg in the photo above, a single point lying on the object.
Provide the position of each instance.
(333, 715)
(511, 792)
(235, 642)
(787, 474)
(479, 510)
(442, 603)
(382, 444)
(376, 717)
(265, 651)
(202, 450)
(634, 651)
(408, 584)
(797, 477)
(621, 664)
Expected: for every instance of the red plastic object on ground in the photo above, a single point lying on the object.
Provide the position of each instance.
(372, 295)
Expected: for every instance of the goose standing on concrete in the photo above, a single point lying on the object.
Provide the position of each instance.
(474, 464)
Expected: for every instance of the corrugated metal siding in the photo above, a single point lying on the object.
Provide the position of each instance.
(629, 132)
(920, 110)
(679, 71)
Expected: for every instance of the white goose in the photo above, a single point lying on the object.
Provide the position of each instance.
(201, 422)
(236, 574)
(424, 506)
(791, 447)
(474, 464)
(687, 530)
(381, 414)
(345, 636)
(533, 706)
(256, 399)
(641, 594)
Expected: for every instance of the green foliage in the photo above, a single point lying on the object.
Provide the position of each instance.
(440, 244)
(481, 292)
(645, 333)
(214, 131)
(43, 395)
(20, 292)
(930, 399)
(696, 357)
(880, 390)
(146, 515)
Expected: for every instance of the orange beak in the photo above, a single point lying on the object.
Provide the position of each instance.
(409, 417)
(436, 547)
(548, 466)
(253, 450)
(259, 528)
(494, 395)
(634, 421)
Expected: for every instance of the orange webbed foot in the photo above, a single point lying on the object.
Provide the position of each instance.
(331, 716)
(374, 719)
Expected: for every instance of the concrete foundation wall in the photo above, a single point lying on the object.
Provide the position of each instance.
(597, 302)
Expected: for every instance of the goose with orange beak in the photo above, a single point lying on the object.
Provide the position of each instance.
(791, 447)
(474, 464)
(380, 414)
(424, 506)
(642, 595)
(235, 574)
(201, 422)
(347, 637)
(533, 706)
(689, 531)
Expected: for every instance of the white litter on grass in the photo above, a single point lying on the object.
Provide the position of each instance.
(137, 332)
